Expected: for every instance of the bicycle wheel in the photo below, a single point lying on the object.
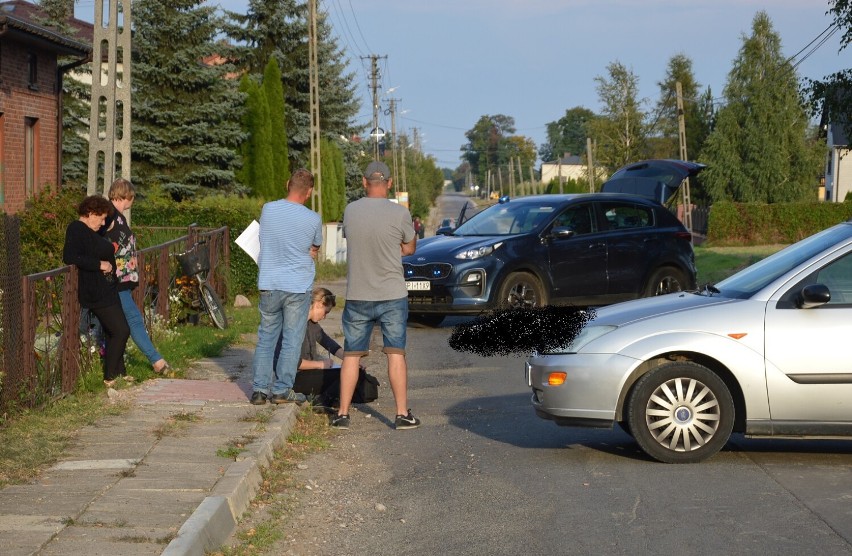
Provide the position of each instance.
(214, 307)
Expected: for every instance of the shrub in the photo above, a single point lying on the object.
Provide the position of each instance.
(762, 224)
(43, 225)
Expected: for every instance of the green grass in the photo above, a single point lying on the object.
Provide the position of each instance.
(717, 263)
(275, 503)
(328, 271)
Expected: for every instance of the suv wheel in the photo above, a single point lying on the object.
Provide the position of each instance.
(665, 280)
(521, 289)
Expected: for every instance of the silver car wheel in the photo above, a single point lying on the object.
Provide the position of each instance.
(682, 414)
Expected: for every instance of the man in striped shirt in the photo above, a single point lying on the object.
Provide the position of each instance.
(290, 237)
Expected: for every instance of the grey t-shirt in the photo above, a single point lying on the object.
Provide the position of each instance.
(374, 229)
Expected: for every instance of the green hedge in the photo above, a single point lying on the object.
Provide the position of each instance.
(762, 224)
(208, 212)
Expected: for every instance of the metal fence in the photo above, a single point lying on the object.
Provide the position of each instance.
(43, 345)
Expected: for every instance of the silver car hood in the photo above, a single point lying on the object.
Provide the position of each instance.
(630, 312)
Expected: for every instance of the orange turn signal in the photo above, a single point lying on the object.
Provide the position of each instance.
(556, 379)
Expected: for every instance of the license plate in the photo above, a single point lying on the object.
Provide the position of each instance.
(418, 285)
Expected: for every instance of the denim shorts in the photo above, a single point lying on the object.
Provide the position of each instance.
(359, 318)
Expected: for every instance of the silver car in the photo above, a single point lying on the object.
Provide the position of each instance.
(766, 352)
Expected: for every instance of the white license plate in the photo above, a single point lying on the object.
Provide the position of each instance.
(418, 285)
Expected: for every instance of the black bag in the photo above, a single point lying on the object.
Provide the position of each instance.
(326, 383)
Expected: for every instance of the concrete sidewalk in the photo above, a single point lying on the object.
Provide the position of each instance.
(157, 479)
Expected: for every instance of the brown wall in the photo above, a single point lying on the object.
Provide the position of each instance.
(19, 101)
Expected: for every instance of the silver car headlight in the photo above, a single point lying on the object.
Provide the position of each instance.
(587, 335)
(478, 252)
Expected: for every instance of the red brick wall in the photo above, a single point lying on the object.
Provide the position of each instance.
(18, 101)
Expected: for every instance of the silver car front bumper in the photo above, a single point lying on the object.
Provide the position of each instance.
(589, 394)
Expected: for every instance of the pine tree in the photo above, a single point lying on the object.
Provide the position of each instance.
(759, 150)
(274, 95)
(695, 119)
(186, 108)
(619, 131)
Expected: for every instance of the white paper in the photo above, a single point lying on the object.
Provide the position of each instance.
(249, 240)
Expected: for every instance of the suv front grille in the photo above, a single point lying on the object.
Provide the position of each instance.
(429, 271)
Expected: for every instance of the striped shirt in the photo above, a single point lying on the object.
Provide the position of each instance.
(287, 232)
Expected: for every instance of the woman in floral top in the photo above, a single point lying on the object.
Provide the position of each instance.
(121, 193)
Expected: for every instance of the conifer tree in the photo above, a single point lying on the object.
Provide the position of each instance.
(274, 96)
(695, 119)
(257, 172)
(759, 150)
(186, 107)
(279, 29)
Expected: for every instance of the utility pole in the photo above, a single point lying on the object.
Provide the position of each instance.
(591, 165)
(374, 86)
(512, 177)
(402, 155)
(559, 173)
(681, 129)
(416, 140)
(520, 173)
(532, 181)
(394, 140)
(109, 121)
(316, 196)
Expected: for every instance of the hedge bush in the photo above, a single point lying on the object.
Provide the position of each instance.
(208, 212)
(763, 224)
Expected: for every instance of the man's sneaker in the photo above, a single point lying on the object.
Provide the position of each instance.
(289, 397)
(408, 421)
(258, 398)
(340, 421)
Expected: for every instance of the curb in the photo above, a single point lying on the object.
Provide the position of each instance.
(216, 518)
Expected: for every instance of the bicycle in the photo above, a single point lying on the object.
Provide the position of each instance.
(195, 263)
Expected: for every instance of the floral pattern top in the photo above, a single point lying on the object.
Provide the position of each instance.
(124, 242)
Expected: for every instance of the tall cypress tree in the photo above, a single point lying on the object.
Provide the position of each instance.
(274, 95)
(279, 29)
(186, 107)
(759, 150)
(257, 172)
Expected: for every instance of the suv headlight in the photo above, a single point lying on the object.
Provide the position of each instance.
(478, 252)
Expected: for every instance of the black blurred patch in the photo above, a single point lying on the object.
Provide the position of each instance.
(520, 331)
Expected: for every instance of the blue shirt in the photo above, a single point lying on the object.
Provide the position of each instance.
(287, 232)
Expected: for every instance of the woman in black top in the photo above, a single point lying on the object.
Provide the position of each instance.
(94, 258)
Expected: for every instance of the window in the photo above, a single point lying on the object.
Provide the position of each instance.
(625, 216)
(32, 67)
(578, 219)
(31, 155)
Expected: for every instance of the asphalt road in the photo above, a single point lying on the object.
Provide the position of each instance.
(484, 475)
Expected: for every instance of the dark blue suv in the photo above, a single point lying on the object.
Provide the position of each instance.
(583, 249)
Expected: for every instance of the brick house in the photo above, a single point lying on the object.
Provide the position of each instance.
(31, 102)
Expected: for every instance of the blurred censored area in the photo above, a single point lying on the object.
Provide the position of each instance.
(520, 331)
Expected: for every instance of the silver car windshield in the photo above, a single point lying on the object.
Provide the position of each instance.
(506, 219)
(752, 279)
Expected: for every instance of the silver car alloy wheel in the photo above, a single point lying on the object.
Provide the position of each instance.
(522, 295)
(682, 414)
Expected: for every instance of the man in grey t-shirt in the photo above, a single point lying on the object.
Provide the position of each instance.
(378, 233)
